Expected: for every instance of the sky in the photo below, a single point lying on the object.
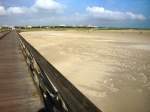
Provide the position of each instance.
(104, 13)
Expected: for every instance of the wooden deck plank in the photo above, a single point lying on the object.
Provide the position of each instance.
(17, 90)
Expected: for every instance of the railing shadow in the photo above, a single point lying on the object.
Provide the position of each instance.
(59, 94)
(42, 110)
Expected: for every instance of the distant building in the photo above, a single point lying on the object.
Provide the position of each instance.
(47, 27)
(13, 28)
(29, 26)
(63, 25)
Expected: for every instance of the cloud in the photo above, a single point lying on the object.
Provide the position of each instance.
(2, 11)
(135, 16)
(105, 14)
(44, 12)
(48, 6)
(16, 10)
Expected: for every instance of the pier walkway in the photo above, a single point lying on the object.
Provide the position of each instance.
(17, 90)
(19, 64)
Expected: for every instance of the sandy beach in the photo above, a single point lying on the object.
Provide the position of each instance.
(110, 67)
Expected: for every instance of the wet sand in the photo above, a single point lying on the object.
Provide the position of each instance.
(112, 68)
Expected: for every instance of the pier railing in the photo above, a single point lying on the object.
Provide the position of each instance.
(4, 33)
(59, 94)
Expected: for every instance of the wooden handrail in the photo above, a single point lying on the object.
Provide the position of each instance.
(58, 93)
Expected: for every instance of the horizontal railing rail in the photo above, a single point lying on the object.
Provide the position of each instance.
(59, 94)
(4, 34)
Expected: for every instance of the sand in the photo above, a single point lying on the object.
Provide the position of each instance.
(112, 68)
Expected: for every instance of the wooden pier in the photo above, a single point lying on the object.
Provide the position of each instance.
(17, 90)
(19, 64)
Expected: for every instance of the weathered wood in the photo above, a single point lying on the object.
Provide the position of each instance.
(3, 34)
(73, 98)
(17, 90)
